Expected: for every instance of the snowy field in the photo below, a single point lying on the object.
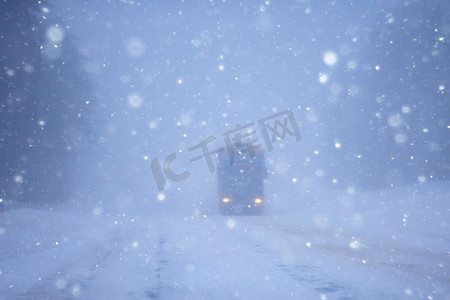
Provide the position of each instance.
(392, 244)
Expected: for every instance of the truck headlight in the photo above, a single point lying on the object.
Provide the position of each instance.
(258, 201)
(226, 200)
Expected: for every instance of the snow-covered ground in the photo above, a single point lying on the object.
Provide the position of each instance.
(388, 244)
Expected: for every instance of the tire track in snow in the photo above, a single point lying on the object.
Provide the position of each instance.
(309, 276)
(73, 278)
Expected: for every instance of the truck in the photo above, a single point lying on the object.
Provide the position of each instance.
(241, 173)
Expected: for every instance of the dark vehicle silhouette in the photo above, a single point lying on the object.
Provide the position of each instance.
(240, 180)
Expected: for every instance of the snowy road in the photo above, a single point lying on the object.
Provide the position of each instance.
(207, 257)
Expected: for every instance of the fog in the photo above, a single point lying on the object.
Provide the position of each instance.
(366, 84)
(97, 95)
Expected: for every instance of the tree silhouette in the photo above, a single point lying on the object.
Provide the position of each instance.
(44, 109)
